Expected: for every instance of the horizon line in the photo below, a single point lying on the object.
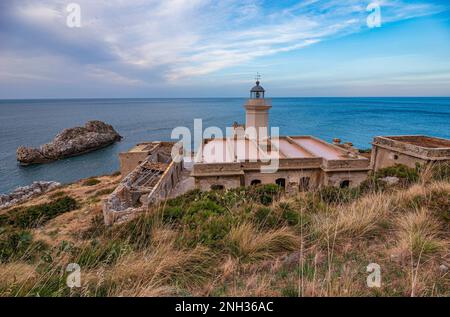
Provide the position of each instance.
(137, 98)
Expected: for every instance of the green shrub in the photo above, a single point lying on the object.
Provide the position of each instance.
(372, 184)
(91, 182)
(265, 217)
(289, 215)
(34, 216)
(334, 195)
(201, 221)
(406, 174)
(266, 194)
(19, 245)
(172, 213)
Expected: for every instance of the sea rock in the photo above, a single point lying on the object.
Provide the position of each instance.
(24, 193)
(70, 142)
(390, 180)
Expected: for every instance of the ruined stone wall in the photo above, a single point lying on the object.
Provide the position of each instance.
(130, 160)
(421, 152)
(153, 177)
(293, 178)
(205, 183)
(386, 157)
(348, 164)
(122, 202)
(167, 182)
(336, 178)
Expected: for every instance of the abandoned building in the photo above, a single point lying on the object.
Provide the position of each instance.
(149, 176)
(303, 162)
(408, 150)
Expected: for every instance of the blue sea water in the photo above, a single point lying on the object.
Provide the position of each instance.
(35, 122)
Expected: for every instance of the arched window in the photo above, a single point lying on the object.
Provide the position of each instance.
(345, 184)
(281, 182)
(255, 182)
(304, 184)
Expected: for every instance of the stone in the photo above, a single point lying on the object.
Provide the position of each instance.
(70, 142)
(443, 268)
(390, 180)
(24, 193)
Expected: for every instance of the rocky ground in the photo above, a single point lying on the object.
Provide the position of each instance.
(70, 142)
(25, 193)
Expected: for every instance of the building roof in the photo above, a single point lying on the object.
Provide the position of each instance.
(295, 147)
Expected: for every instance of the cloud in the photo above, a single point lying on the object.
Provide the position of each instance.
(133, 42)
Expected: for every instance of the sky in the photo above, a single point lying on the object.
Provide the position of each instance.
(214, 48)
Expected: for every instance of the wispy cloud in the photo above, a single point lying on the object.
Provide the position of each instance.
(136, 41)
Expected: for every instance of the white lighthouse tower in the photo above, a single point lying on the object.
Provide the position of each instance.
(257, 113)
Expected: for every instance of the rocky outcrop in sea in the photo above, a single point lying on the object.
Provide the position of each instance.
(70, 142)
(24, 193)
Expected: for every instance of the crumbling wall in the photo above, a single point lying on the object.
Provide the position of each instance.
(131, 197)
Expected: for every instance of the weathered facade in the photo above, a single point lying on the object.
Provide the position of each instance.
(153, 175)
(300, 168)
(303, 162)
(408, 150)
(250, 156)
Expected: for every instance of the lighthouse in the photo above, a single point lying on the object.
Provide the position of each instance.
(257, 113)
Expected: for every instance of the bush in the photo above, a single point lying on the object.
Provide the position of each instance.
(266, 218)
(19, 245)
(91, 182)
(334, 195)
(265, 194)
(406, 174)
(289, 215)
(34, 216)
(372, 185)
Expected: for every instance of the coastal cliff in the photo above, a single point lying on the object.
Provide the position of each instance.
(70, 142)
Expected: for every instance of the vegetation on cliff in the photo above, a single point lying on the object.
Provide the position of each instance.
(242, 242)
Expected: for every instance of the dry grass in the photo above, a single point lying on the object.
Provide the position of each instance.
(419, 233)
(248, 244)
(362, 218)
(141, 274)
(300, 247)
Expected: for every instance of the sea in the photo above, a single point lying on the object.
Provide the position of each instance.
(356, 120)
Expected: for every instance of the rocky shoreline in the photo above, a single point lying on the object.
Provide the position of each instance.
(70, 142)
(24, 193)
